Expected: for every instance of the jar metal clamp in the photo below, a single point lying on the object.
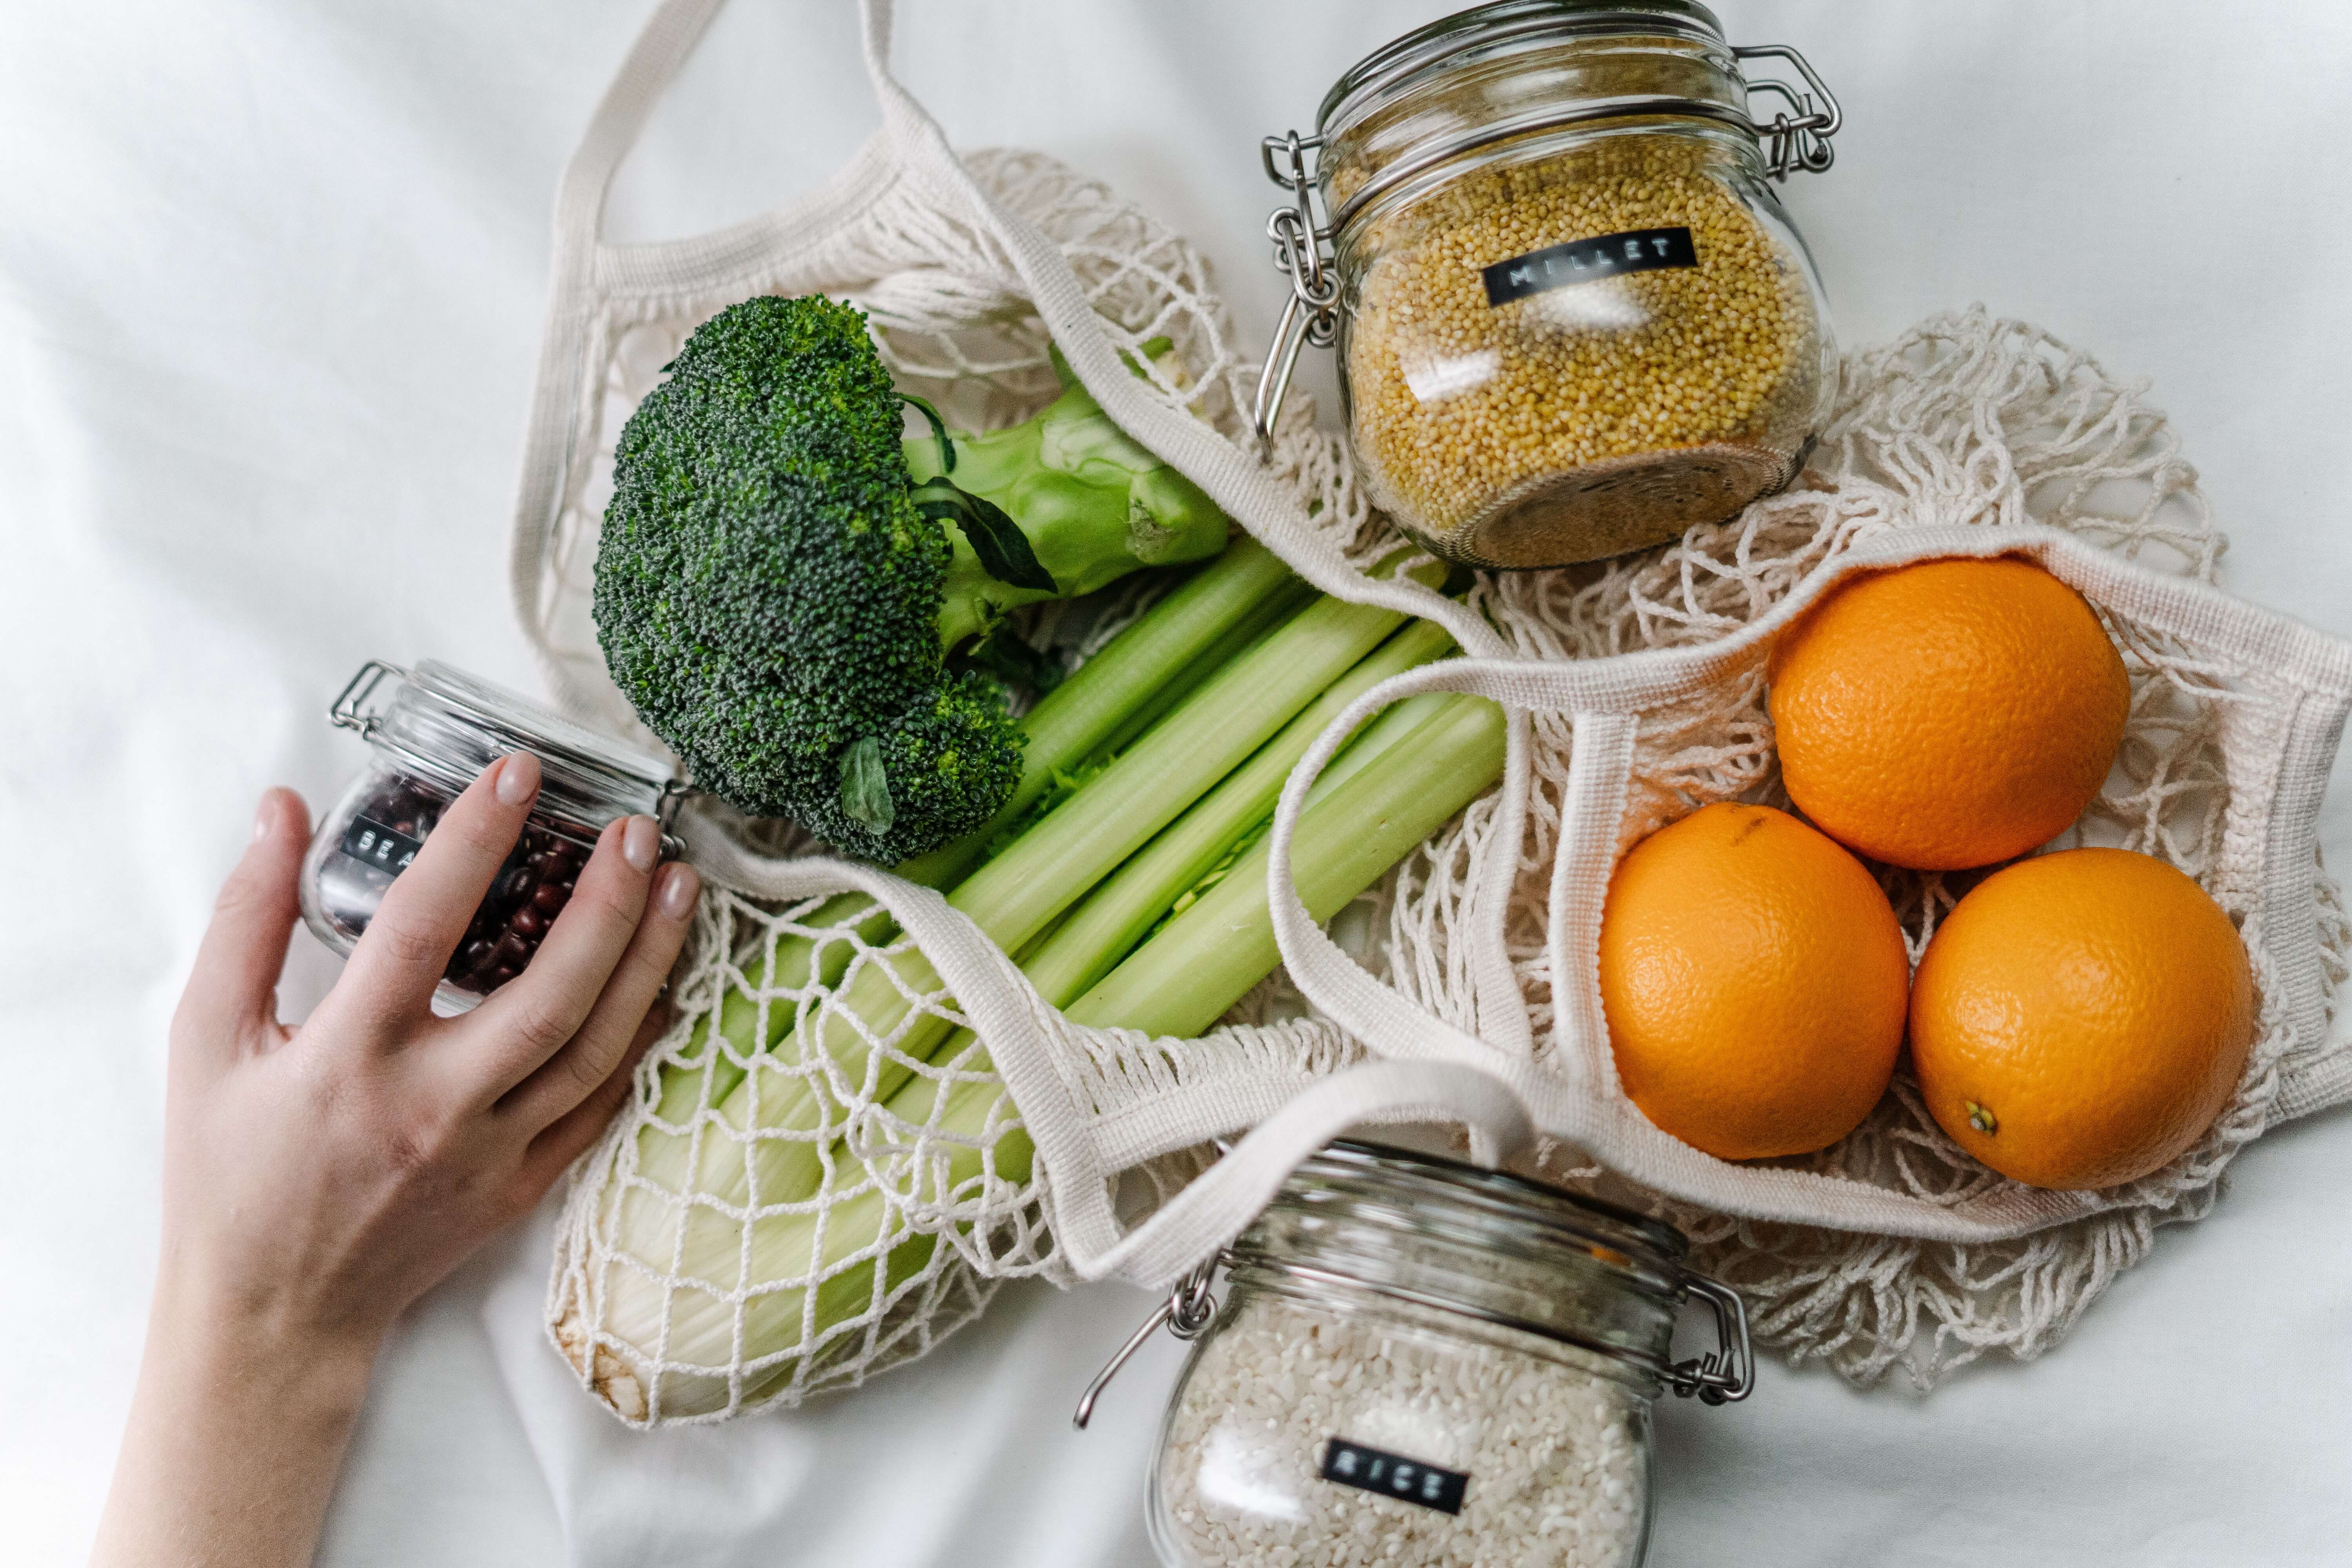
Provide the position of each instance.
(1723, 1375)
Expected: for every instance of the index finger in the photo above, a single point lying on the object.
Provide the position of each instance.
(425, 912)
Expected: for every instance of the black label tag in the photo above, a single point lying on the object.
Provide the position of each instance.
(371, 843)
(1391, 1475)
(1583, 260)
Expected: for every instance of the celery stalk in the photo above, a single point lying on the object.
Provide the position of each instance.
(1131, 675)
(1174, 764)
(1270, 616)
(1343, 847)
(1121, 910)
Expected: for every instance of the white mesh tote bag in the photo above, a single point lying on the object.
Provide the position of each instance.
(760, 1224)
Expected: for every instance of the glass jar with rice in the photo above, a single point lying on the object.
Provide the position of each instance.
(1420, 1362)
(1573, 316)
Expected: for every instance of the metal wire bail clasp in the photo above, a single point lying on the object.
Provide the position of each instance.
(1801, 142)
(1190, 1309)
(1727, 1373)
(1311, 314)
(350, 710)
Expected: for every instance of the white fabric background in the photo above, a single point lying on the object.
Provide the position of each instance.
(270, 286)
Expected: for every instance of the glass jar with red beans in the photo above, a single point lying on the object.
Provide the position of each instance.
(432, 728)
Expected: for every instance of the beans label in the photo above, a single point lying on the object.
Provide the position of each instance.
(1584, 260)
(371, 843)
(1393, 1474)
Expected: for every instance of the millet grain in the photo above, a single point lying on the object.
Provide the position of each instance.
(1461, 409)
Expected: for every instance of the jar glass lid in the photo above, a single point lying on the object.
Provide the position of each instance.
(1541, 1214)
(448, 725)
(1486, 31)
(509, 716)
(1289, 1247)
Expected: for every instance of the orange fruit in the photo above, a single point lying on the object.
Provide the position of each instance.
(2082, 1017)
(1753, 977)
(1946, 714)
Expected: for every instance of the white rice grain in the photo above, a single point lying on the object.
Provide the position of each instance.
(1557, 1456)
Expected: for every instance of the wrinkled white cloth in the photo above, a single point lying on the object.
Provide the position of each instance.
(270, 285)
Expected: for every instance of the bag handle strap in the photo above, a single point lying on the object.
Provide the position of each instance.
(620, 116)
(558, 392)
(1367, 1008)
(1218, 1204)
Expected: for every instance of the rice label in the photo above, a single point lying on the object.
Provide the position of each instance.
(371, 843)
(1394, 1476)
(1584, 260)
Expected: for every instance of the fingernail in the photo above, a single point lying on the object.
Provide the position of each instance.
(518, 778)
(680, 885)
(641, 843)
(264, 815)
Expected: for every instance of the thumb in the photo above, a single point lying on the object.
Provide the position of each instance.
(233, 988)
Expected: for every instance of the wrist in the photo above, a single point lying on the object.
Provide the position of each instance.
(247, 1344)
(243, 1409)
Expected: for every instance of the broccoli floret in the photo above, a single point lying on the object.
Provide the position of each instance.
(782, 572)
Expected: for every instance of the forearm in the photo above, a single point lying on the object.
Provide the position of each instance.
(236, 1432)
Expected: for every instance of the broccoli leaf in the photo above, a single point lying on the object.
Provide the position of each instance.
(865, 787)
(1004, 551)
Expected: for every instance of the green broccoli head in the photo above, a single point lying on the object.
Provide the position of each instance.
(768, 594)
(782, 572)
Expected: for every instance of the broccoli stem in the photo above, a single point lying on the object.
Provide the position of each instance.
(1093, 503)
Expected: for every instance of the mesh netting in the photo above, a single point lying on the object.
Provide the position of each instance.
(822, 1172)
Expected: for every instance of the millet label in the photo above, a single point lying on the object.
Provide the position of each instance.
(1393, 1476)
(1583, 260)
(371, 843)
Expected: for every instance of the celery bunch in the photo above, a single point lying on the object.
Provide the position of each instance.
(1137, 900)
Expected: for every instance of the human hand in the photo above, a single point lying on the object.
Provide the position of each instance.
(319, 1179)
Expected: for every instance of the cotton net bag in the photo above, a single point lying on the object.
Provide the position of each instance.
(712, 1259)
